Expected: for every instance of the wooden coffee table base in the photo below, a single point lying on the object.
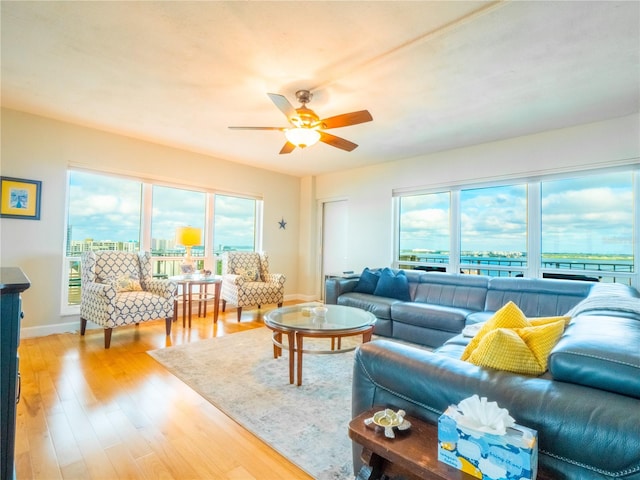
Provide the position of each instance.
(295, 340)
(315, 321)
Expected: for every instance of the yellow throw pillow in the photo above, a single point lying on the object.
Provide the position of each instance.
(509, 341)
(541, 340)
(544, 320)
(503, 349)
(509, 316)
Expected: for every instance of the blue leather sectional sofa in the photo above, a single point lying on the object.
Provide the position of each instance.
(586, 408)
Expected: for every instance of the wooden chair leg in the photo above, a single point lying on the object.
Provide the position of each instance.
(239, 313)
(224, 304)
(169, 321)
(83, 326)
(107, 337)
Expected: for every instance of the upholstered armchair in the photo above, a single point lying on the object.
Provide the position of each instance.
(246, 281)
(118, 289)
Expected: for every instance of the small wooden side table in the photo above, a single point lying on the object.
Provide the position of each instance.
(413, 454)
(187, 282)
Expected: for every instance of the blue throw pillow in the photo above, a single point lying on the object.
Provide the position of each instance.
(367, 282)
(393, 285)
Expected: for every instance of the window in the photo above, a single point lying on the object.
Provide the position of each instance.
(493, 230)
(587, 226)
(570, 227)
(234, 226)
(113, 213)
(424, 231)
(173, 208)
(103, 214)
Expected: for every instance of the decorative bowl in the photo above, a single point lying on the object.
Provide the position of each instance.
(388, 419)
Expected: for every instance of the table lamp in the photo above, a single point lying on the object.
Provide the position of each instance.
(188, 237)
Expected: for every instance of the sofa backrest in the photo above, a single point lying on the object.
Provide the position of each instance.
(536, 297)
(452, 290)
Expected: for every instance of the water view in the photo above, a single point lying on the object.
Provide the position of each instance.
(598, 267)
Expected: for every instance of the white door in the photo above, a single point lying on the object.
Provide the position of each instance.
(334, 238)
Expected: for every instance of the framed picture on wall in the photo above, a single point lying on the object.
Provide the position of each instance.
(20, 198)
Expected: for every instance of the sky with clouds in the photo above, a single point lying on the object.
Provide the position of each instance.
(591, 214)
(109, 208)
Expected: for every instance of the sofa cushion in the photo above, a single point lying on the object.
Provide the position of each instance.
(435, 317)
(452, 290)
(379, 306)
(600, 352)
(367, 282)
(393, 285)
(536, 297)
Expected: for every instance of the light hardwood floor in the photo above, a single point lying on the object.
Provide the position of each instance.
(90, 413)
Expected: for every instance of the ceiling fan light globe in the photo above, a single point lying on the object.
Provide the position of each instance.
(302, 137)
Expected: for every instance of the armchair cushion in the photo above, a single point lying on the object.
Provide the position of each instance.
(124, 283)
(249, 275)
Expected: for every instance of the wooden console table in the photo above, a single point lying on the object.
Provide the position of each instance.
(412, 455)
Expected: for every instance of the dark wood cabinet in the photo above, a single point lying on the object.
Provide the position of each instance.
(12, 283)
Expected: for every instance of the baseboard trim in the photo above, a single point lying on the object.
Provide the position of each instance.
(44, 330)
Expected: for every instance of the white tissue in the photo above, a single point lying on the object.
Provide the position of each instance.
(477, 414)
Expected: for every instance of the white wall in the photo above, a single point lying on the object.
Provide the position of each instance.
(41, 149)
(369, 190)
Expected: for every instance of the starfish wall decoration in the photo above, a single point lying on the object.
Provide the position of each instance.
(282, 224)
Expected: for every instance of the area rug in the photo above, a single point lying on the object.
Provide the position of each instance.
(238, 374)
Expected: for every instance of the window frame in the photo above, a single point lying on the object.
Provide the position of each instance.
(535, 267)
(145, 241)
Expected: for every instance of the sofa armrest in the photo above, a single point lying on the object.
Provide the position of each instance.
(334, 287)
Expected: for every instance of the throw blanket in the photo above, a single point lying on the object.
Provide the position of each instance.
(612, 297)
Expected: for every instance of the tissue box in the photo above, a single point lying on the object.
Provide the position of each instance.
(513, 456)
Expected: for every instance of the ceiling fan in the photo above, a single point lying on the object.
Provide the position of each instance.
(307, 128)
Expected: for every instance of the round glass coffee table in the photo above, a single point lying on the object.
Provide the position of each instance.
(300, 321)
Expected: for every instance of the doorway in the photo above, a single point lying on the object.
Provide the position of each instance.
(335, 216)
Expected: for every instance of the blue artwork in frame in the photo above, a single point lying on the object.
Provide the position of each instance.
(20, 198)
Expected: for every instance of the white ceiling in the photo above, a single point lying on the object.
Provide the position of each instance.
(435, 75)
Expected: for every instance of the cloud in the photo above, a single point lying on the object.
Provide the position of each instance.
(592, 214)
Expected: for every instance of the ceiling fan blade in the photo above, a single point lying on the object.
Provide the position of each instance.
(282, 129)
(346, 119)
(283, 104)
(337, 141)
(287, 148)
